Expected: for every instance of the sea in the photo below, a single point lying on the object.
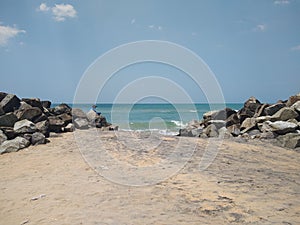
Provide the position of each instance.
(162, 118)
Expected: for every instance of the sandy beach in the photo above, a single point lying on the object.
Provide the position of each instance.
(247, 183)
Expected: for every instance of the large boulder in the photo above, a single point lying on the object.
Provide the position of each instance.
(55, 124)
(91, 115)
(284, 114)
(81, 123)
(260, 111)
(46, 104)
(67, 118)
(211, 131)
(9, 132)
(62, 108)
(248, 124)
(31, 113)
(43, 127)
(38, 138)
(296, 106)
(272, 109)
(249, 109)
(290, 140)
(24, 126)
(217, 123)
(293, 99)
(34, 102)
(223, 114)
(8, 120)
(279, 127)
(78, 113)
(234, 130)
(2, 137)
(10, 103)
(232, 119)
(14, 145)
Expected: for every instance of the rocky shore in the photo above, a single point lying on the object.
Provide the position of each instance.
(279, 123)
(29, 121)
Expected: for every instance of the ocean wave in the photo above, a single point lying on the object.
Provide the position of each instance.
(178, 123)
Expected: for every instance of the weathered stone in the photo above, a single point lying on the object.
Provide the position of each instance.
(223, 114)
(8, 120)
(254, 132)
(293, 121)
(30, 114)
(55, 124)
(46, 104)
(262, 119)
(248, 124)
(43, 127)
(38, 138)
(91, 115)
(69, 128)
(26, 136)
(234, 130)
(279, 127)
(292, 100)
(232, 119)
(81, 123)
(284, 114)
(291, 140)
(217, 123)
(267, 135)
(34, 102)
(249, 109)
(2, 137)
(78, 113)
(260, 110)
(14, 145)
(24, 126)
(1, 111)
(10, 103)
(67, 118)
(271, 110)
(296, 106)
(211, 131)
(62, 108)
(40, 118)
(9, 132)
(2, 95)
(224, 133)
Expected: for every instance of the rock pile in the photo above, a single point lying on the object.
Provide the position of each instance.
(280, 121)
(29, 121)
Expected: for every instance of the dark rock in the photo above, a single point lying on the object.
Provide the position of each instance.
(211, 131)
(232, 119)
(8, 120)
(249, 109)
(260, 110)
(67, 118)
(10, 103)
(223, 114)
(38, 138)
(1, 111)
(78, 113)
(284, 114)
(100, 121)
(81, 123)
(43, 127)
(34, 102)
(69, 128)
(271, 110)
(2, 137)
(112, 128)
(9, 132)
(14, 145)
(291, 140)
(55, 124)
(2, 95)
(40, 118)
(27, 136)
(292, 100)
(62, 108)
(46, 104)
(189, 132)
(234, 130)
(30, 113)
(24, 126)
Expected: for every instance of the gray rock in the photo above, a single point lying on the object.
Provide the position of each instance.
(279, 127)
(55, 124)
(254, 132)
(78, 113)
(223, 114)
(34, 102)
(46, 104)
(67, 118)
(293, 121)
(271, 110)
(209, 115)
(43, 127)
(184, 132)
(2, 95)
(232, 119)
(81, 123)
(9, 132)
(10, 103)
(217, 123)
(38, 138)
(248, 124)
(293, 99)
(2, 137)
(8, 120)
(250, 108)
(1, 111)
(211, 131)
(24, 126)
(30, 114)
(69, 128)
(234, 130)
(40, 118)
(111, 128)
(14, 145)
(284, 114)
(62, 108)
(224, 133)
(291, 140)
(91, 115)
(267, 135)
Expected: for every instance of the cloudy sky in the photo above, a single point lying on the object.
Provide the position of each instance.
(252, 46)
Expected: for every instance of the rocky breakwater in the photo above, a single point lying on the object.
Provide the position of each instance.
(29, 121)
(278, 122)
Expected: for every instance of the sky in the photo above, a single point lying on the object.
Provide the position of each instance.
(251, 46)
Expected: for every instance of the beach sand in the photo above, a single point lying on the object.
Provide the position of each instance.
(247, 183)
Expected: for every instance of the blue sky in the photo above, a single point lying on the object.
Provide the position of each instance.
(253, 47)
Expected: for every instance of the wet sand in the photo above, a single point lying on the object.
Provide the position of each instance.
(247, 183)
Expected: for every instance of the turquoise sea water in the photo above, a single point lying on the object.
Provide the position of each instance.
(165, 118)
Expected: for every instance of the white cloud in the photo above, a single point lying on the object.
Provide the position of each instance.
(133, 21)
(153, 27)
(60, 11)
(296, 48)
(7, 32)
(281, 2)
(260, 27)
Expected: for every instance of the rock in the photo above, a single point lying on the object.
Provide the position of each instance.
(254, 133)
(209, 115)
(217, 123)
(38, 138)
(279, 127)
(267, 135)
(292, 100)
(249, 109)
(2, 137)
(224, 133)
(55, 124)
(8, 120)
(260, 110)
(67, 118)
(100, 121)
(296, 106)
(2, 95)
(271, 110)
(24, 126)
(234, 130)
(69, 128)
(232, 119)
(62, 108)
(14, 145)
(293, 121)
(78, 113)
(291, 140)
(9, 132)
(81, 123)
(111, 128)
(1, 111)
(223, 114)
(284, 114)
(262, 119)
(190, 132)
(211, 131)
(40, 118)
(31, 113)
(248, 124)
(43, 127)
(34, 102)
(10, 103)
(46, 104)
(91, 115)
